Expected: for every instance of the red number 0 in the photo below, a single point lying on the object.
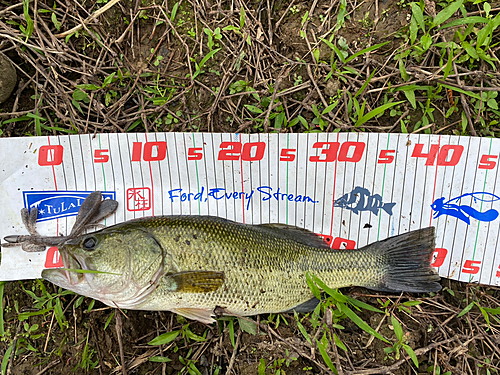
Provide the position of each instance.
(338, 241)
(50, 155)
(440, 257)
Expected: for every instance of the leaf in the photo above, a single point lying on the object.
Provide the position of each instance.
(339, 343)
(469, 93)
(314, 289)
(466, 310)
(193, 336)
(301, 328)
(109, 79)
(231, 332)
(6, 358)
(208, 56)
(492, 103)
(324, 354)
(242, 17)
(485, 314)
(411, 353)
(403, 128)
(410, 95)
(365, 84)
(402, 70)
(366, 50)
(398, 330)
(253, 109)
(29, 22)
(362, 305)
(160, 359)
(447, 12)
(341, 15)
(59, 313)
(165, 338)
(248, 326)
(426, 41)
(339, 54)
(330, 108)
(361, 120)
(316, 54)
(413, 30)
(464, 21)
(418, 15)
(109, 319)
(336, 295)
(230, 28)
(449, 64)
(79, 95)
(471, 51)
(56, 23)
(361, 324)
(412, 303)
(174, 11)
(91, 305)
(36, 117)
(262, 367)
(88, 86)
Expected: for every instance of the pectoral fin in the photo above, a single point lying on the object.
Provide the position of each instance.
(197, 281)
(201, 315)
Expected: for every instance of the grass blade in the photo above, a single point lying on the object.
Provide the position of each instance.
(360, 323)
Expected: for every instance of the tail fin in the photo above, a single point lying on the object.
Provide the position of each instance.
(387, 207)
(407, 260)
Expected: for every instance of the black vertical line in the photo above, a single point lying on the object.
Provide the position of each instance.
(456, 220)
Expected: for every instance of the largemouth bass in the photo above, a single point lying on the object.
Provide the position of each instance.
(199, 265)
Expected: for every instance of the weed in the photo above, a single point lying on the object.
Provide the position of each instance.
(213, 37)
(202, 63)
(400, 343)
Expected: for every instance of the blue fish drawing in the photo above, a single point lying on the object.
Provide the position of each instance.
(463, 212)
(360, 200)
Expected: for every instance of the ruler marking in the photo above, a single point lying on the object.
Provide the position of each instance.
(333, 195)
(383, 185)
(435, 178)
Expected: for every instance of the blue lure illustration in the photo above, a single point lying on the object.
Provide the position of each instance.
(463, 212)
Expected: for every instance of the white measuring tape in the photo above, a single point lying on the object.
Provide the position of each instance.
(353, 188)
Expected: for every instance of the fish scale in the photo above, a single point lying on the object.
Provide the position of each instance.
(195, 265)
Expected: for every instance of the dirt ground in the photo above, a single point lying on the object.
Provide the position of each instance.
(132, 69)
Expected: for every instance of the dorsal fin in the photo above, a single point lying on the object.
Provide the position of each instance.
(301, 235)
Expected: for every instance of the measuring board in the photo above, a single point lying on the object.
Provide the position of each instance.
(352, 188)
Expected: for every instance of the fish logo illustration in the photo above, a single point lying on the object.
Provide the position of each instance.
(360, 199)
(464, 212)
(57, 204)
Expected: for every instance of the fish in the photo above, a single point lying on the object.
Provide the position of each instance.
(360, 199)
(201, 267)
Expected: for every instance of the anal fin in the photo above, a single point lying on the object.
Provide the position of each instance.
(305, 307)
(201, 315)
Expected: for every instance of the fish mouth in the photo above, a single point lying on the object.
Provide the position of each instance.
(69, 275)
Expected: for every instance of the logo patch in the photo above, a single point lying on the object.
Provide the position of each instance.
(139, 199)
(56, 204)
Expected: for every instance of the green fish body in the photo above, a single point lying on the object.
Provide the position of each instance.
(198, 265)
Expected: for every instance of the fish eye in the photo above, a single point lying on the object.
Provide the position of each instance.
(89, 243)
